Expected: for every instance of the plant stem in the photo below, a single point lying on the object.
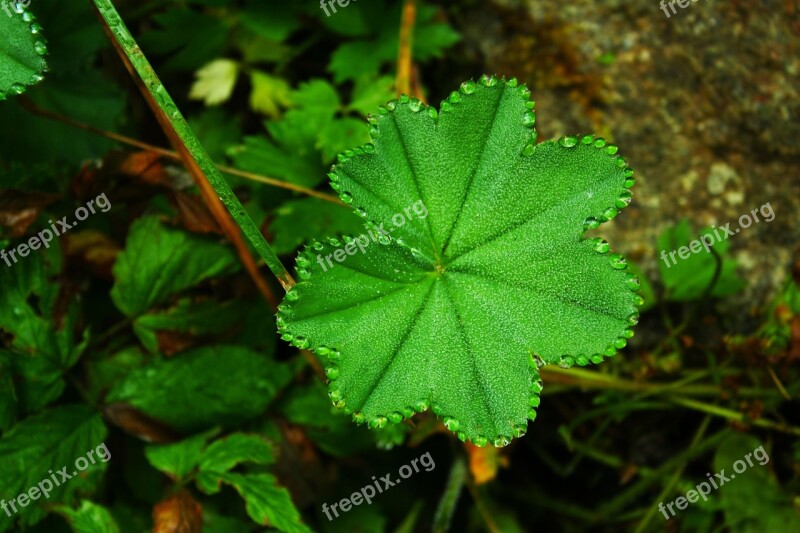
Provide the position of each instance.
(447, 504)
(171, 154)
(403, 83)
(213, 187)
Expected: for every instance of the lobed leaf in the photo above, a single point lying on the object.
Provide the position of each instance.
(22, 50)
(485, 276)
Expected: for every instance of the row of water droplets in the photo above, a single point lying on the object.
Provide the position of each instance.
(39, 46)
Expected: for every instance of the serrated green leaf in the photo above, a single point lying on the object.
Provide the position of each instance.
(89, 518)
(215, 82)
(159, 261)
(269, 93)
(370, 93)
(687, 279)
(487, 252)
(49, 441)
(201, 38)
(297, 221)
(225, 453)
(180, 458)
(191, 391)
(266, 502)
(21, 50)
(43, 338)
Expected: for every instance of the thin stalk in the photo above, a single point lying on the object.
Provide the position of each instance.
(447, 504)
(173, 155)
(403, 82)
(213, 187)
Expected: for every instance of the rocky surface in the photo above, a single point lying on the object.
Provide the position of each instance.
(705, 105)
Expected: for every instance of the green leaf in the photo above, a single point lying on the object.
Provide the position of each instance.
(486, 252)
(370, 93)
(297, 221)
(227, 452)
(89, 518)
(192, 391)
(752, 501)
(687, 279)
(195, 318)
(180, 458)
(159, 261)
(21, 50)
(191, 38)
(52, 440)
(43, 340)
(215, 82)
(266, 502)
(269, 93)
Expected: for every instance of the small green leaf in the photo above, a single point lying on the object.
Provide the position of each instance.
(191, 391)
(688, 278)
(215, 82)
(486, 251)
(89, 518)
(180, 458)
(266, 502)
(51, 441)
(269, 93)
(225, 453)
(159, 261)
(21, 50)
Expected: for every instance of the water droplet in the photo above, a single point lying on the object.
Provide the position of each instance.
(335, 355)
(599, 142)
(568, 361)
(400, 241)
(16, 88)
(292, 296)
(396, 417)
(609, 214)
(35, 28)
(301, 342)
(480, 442)
(524, 91)
(590, 223)
(369, 148)
(391, 105)
(323, 350)
(335, 395)
(537, 386)
(468, 87)
(318, 246)
(528, 118)
(433, 113)
(332, 372)
(534, 401)
(629, 183)
(359, 418)
(287, 337)
(451, 423)
(624, 200)
(408, 412)
(446, 106)
(27, 16)
(489, 81)
(627, 333)
(633, 282)
(303, 261)
(530, 104)
(461, 436)
(360, 211)
(596, 358)
(501, 441)
(346, 197)
(303, 273)
(455, 97)
(336, 186)
(535, 361)
(620, 343)
(601, 246)
(587, 139)
(638, 301)
(520, 430)
(568, 141)
(415, 252)
(617, 262)
(612, 149)
(528, 150)
(420, 406)
(403, 99)
(532, 414)
(378, 422)
(633, 319)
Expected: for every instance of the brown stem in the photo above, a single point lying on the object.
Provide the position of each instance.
(403, 82)
(172, 155)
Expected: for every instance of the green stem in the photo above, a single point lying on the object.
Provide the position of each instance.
(447, 504)
(176, 127)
